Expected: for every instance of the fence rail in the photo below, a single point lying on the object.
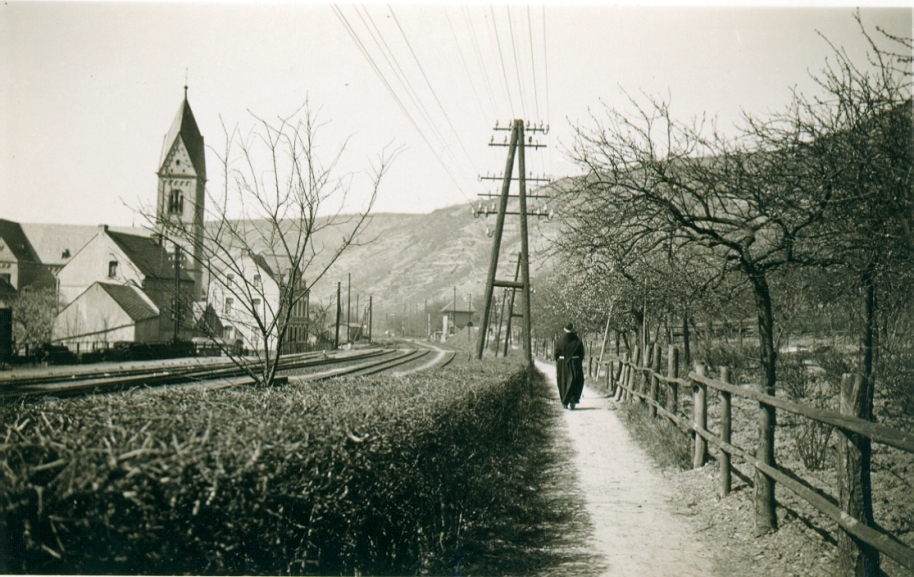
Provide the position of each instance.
(635, 380)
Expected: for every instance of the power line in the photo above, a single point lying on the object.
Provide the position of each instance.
(352, 34)
(546, 62)
(520, 85)
(501, 57)
(536, 97)
(402, 77)
(463, 60)
(434, 94)
(469, 24)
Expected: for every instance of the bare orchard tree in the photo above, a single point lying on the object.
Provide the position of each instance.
(653, 182)
(273, 228)
(864, 127)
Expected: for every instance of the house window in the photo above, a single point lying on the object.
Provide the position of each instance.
(228, 306)
(256, 303)
(229, 278)
(112, 269)
(176, 202)
(227, 333)
(256, 280)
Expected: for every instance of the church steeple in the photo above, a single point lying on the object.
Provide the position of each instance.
(182, 190)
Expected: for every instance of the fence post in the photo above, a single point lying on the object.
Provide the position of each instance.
(633, 373)
(725, 410)
(700, 418)
(854, 489)
(672, 371)
(655, 384)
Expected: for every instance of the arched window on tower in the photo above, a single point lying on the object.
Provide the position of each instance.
(176, 202)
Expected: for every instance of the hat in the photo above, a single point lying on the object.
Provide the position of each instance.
(569, 328)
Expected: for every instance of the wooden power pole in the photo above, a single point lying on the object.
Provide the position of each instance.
(516, 148)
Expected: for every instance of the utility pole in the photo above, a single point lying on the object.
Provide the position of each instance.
(511, 307)
(369, 318)
(455, 310)
(516, 147)
(349, 308)
(336, 338)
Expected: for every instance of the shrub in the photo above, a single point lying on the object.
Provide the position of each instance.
(811, 439)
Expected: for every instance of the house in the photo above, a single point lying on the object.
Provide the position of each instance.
(20, 265)
(143, 263)
(109, 312)
(457, 315)
(246, 293)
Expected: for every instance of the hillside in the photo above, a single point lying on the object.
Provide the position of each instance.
(400, 259)
(404, 259)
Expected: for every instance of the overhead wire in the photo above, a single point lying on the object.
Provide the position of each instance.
(463, 60)
(392, 61)
(536, 97)
(479, 61)
(520, 85)
(434, 94)
(360, 45)
(501, 57)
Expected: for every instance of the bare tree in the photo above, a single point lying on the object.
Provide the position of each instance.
(273, 228)
(753, 204)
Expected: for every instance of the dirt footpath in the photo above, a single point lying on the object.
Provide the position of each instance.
(636, 528)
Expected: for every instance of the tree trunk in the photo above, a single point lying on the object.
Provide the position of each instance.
(854, 489)
(686, 343)
(766, 519)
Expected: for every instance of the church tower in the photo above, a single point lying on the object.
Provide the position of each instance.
(182, 193)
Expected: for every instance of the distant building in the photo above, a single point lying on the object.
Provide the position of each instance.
(457, 317)
(20, 265)
(246, 295)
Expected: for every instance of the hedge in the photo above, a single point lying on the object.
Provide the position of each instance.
(439, 473)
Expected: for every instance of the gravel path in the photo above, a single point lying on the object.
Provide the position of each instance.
(636, 527)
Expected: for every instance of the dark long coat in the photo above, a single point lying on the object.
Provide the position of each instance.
(569, 367)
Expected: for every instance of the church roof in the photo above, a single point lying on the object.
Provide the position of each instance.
(131, 300)
(148, 255)
(185, 127)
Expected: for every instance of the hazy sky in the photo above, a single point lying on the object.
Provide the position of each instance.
(87, 91)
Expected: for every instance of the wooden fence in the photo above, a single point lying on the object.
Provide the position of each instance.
(644, 382)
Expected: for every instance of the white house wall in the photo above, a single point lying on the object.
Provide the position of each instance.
(240, 319)
(93, 316)
(90, 265)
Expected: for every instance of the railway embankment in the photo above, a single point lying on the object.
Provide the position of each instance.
(446, 471)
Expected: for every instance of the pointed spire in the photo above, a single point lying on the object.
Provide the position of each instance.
(185, 128)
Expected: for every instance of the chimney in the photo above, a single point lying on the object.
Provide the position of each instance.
(103, 228)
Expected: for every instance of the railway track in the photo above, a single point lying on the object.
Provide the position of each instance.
(213, 374)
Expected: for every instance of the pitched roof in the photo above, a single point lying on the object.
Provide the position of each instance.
(53, 241)
(185, 126)
(12, 233)
(448, 308)
(148, 255)
(132, 300)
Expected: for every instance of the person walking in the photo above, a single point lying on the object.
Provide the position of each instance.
(569, 367)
